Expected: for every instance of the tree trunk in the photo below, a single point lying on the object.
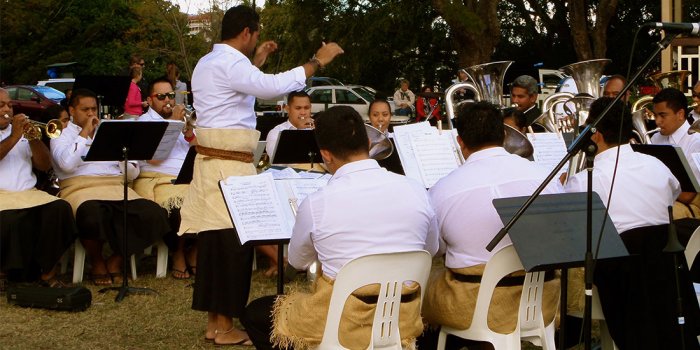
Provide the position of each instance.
(579, 29)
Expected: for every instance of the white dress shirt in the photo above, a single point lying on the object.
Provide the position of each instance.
(363, 210)
(644, 187)
(173, 163)
(225, 84)
(274, 134)
(463, 204)
(16, 168)
(688, 143)
(66, 155)
(695, 115)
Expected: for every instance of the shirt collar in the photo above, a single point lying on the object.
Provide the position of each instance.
(486, 153)
(360, 165)
(678, 135)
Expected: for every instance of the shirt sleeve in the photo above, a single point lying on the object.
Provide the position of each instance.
(301, 252)
(66, 152)
(248, 79)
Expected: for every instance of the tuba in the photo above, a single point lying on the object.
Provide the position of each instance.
(640, 109)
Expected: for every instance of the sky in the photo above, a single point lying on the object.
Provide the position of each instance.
(196, 6)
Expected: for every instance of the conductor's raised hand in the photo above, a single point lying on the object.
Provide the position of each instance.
(328, 52)
(264, 50)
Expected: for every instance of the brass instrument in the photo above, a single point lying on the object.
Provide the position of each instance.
(548, 119)
(517, 143)
(380, 147)
(36, 129)
(640, 109)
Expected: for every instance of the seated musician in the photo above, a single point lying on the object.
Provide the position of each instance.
(523, 94)
(95, 192)
(515, 118)
(343, 221)
(638, 307)
(35, 227)
(468, 221)
(670, 107)
(298, 110)
(155, 178)
(379, 113)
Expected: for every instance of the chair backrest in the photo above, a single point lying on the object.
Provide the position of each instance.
(531, 302)
(504, 262)
(693, 247)
(390, 271)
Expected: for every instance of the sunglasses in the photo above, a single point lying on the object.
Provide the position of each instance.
(170, 95)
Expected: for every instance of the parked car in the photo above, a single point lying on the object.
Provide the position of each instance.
(33, 100)
(60, 84)
(355, 96)
(322, 81)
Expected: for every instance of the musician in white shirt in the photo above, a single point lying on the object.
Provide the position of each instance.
(225, 83)
(342, 221)
(35, 228)
(298, 110)
(670, 107)
(695, 112)
(468, 221)
(95, 192)
(156, 176)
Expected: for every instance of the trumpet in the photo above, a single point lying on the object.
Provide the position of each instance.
(36, 129)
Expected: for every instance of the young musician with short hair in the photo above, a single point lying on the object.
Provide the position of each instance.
(298, 110)
(342, 221)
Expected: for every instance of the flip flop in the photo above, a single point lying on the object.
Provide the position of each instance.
(242, 342)
(103, 279)
(180, 274)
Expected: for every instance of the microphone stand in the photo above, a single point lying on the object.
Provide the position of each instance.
(582, 143)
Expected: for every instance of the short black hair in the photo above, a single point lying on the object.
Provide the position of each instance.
(479, 125)
(80, 93)
(293, 94)
(518, 115)
(378, 100)
(236, 19)
(54, 111)
(152, 85)
(609, 127)
(341, 131)
(674, 98)
(617, 77)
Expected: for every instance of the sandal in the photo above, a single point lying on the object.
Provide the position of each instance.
(52, 282)
(180, 275)
(104, 279)
(243, 342)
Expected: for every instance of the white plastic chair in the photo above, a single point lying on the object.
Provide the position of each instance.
(606, 341)
(530, 326)
(691, 252)
(390, 271)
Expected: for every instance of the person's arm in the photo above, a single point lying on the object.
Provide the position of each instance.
(322, 58)
(264, 50)
(40, 155)
(301, 251)
(19, 121)
(686, 197)
(67, 151)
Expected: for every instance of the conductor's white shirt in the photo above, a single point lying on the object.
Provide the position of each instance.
(363, 210)
(67, 151)
(16, 168)
(462, 200)
(225, 84)
(173, 163)
(644, 187)
(688, 143)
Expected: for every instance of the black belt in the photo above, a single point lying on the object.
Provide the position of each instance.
(372, 299)
(508, 281)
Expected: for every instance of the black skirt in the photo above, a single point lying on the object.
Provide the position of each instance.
(100, 220)
(34, 239)
(224, 269)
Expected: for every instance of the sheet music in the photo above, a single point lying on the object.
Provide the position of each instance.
(296, 190)
(255, 208)
(435, 156)
(286, 173)
(402, 138)
(169, 139)
(550, 149)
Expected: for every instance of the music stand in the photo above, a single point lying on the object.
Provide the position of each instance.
(672, 156)
(110, 90)
(184, 177)
(124, 140)
(552, 235)
(296, 146)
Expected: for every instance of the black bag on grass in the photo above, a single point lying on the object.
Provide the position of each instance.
(64, 299)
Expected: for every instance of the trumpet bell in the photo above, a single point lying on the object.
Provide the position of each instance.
(34, 131)
(380, 147)
(517, 143)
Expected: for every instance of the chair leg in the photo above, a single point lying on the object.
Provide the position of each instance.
(133, 267)
(162, 263)
(78, 262)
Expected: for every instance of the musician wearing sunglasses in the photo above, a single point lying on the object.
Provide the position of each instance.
(35, 227)
(155, 177)
(468, 221)
(225, 83)
(95, 192)
(342, 221)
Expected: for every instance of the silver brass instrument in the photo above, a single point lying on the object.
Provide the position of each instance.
(640, 109)
(488, 85)
(517, 143)
(380, 147)
(548, 119)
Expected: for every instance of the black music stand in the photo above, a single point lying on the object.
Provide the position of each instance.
(184, 177)
(117, 140)
(110, 90)
(296, 146)
(672, 156)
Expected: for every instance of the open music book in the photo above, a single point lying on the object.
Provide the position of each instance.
(263, 208)
(427, 154)
(549, 147)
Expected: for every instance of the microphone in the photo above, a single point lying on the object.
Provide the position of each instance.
(688, 28)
